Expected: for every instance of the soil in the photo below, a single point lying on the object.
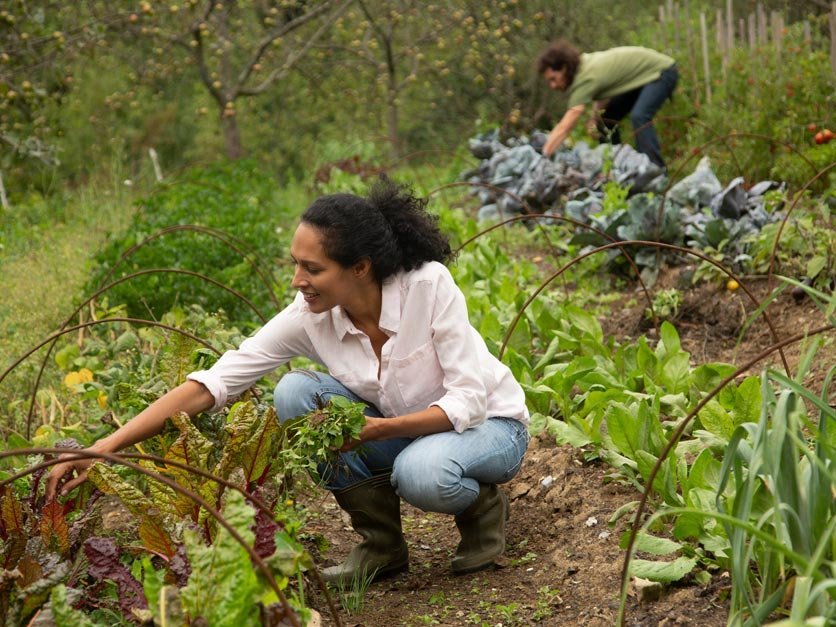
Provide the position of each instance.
(562, 564)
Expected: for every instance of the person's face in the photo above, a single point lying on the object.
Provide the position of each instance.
(323, 282)
(555, 79)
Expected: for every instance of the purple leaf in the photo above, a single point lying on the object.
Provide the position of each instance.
(103, 555)
(180, 567)
(265, 534)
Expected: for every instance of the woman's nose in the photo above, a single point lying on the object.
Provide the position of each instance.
(297, 281)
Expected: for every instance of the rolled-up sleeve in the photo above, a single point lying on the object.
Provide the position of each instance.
(277, 342)
(457, 348)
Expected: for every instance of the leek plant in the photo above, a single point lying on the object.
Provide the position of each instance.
(782, 475)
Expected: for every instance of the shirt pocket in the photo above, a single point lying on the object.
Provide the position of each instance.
(419, 376)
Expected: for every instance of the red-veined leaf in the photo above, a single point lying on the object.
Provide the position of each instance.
(54, 529)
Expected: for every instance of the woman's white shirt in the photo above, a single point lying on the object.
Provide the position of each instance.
(433, 355)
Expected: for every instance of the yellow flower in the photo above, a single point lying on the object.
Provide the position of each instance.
(102, 400)
(77, 378)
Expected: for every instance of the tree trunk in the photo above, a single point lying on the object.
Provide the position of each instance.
(392, 124)
(392, 100)
(232, 136)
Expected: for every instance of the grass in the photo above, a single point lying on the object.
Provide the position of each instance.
(46, 255)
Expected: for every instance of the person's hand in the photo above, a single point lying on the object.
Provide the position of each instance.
(553, 142)
(369, 432)
(68, 474)
(592, 126)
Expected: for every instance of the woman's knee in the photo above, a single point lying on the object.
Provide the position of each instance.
(296, 393)
(640, 120)
(427, 486)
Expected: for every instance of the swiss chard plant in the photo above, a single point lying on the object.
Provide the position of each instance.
(174, 558)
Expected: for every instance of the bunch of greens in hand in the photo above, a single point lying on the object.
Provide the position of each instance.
(317, 436)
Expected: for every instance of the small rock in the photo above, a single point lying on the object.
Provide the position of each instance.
(316, 620)
(545, 483)
(591, 521)
(646, 591)
(603, 535)
(519, 490)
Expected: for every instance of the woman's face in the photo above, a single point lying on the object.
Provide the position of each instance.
(555, 79)
(323, 282)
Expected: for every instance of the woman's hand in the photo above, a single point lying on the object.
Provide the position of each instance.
(560, 132)
(190, 397)
(430, 420)
(71, 473)
(553, 141)
(372, 430)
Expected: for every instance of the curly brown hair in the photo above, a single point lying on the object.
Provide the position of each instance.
(560, 55)
(390, 226)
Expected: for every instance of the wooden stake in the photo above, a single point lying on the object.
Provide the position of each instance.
(676, 25)
(155, 160)
(663, 27)
(3, 200)
(777, 37)
(729, 28)
(753, 31)
(833, 37)
(762, 31)
(705, 64)
(692, 62)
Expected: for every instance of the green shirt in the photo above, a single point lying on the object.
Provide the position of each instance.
(609, 73)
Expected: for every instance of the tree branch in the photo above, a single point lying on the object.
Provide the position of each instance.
(292, 59)
(284, 29)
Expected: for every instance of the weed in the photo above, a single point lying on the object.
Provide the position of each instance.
(352, 594)
(525, 559)
(666, 304)
(508, 612)
(547, 599)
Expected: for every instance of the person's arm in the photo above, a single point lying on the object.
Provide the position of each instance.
(190, 397)
(594, 117)
(430, 420)
(562, 129)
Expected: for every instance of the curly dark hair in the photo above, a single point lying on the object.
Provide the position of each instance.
(558, 55)
(391, 227)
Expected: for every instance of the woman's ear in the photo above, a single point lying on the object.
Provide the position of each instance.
(362, 268)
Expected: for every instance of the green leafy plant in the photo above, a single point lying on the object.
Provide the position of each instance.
(782, 486)
(237, 199)
(317, 436)
(352, 594)
(666, 304)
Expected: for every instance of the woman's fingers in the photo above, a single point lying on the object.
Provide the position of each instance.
(74, 483)
(61, 473)
(53, 478)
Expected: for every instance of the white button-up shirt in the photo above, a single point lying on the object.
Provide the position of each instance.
(433, 355)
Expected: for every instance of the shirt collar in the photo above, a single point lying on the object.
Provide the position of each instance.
(390, 305)
(342, 323)
(390, 310)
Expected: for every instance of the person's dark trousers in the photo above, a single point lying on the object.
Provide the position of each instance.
(642, 104)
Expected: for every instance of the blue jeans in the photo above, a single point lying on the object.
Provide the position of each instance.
(436, 473)
(642, 104)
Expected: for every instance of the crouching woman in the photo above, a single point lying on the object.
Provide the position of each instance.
(376, 306)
